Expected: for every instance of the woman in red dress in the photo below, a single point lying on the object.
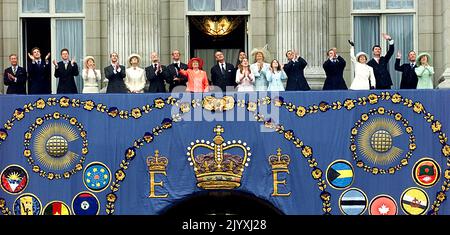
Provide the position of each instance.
(197, 78)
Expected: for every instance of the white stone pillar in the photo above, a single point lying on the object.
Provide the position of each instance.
(302, 25)
(133, 27)
(445, 78)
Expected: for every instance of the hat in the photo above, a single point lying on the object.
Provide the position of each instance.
(199, 60)
(87, 59)
(265, 52)
(422, 55)
(361, 54)
(132, 56)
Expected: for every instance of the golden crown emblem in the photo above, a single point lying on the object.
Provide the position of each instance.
(157, 163)
(279, 161)
(218, 169)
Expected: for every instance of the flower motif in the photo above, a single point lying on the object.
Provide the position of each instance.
(19, 114)
(301, 111)
(56, 115)
(398, 116)
(75, 103)
(120, 175)
(3, 134)
(324, 106)
(317, 173)
(353, 147)
(84, 151)
(51, 176)
(404, 162)
(373, 99)
(79, 167)
(166, 123)
(349, 104)
(159, 103)
(381, 110)
(325, 196)
(27, 153)
(66, 175)
(391, 170)
(40, 104)
(28, 135)
(83, 134)
(123, 114)
(365, 117)
(289, 135)
(2, 203)
(130, 153)
(446, 150)
(136, 113)
(111, 198)
(354, 131)
(64, 102)
(73, 121)
(375, 171)
(39, 121)
(436, 126)
(148, 137)
(89, 105)
(171, 100)
(360, 164)
(307, 151)
(36, 169)
(113, 112)
(412, 146)
(278, 101)
(441, 197)
(447, 174)
(409, 130)
(185, 107)
(396, 98)
(418, 108)
(252, 106)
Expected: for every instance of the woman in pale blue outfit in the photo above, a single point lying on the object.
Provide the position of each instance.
(275, 76)
(258, 69)
(425, 72)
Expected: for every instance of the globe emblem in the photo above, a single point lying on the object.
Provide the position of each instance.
(381, 141)
(57, 146)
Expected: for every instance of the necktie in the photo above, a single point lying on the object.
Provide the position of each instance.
(39, 62)
(412, 65)
(155, 66)
(14, 70)
(223, 69)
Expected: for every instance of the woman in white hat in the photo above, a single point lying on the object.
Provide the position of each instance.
(259, 68)
(424, 72)
(364, 76)
(91, 76)
(135, 79)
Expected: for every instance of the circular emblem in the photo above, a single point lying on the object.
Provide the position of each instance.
(353, 202)
(415, 201)
(340, 174)
(14, 179)
(56, 208)
(85, 203)
(27, 204)
(426, 172)
(383, 205)
(97, 176)
(57, 146)
(381, 141)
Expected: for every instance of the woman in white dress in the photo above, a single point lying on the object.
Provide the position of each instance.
(245, 78)
(364, 76)
(135, 79)
(91, 76)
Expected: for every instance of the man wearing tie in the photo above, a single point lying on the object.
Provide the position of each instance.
(115, 73)
(15, 77)
(38, 73)
(334, 69)
(66, 71)
(295, 70)
(223, 74)
(174, 78)
(156, 74)
(380, 64)
(409, 76)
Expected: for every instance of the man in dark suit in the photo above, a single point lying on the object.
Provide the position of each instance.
(38, 73)
(115, 73)
(380, 65)
(15, 77)
(409, 76)
(66, 71)
(174, 78)
(156, 74)
(334, 69)
(295, 70)
(223, 74)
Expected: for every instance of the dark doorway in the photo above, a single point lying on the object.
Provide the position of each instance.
(36, 33)
(223, 203)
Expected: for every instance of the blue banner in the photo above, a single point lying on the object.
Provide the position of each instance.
(307, 153)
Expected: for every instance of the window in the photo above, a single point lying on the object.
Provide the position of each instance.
(35, 6)
(217, 5)
(371, 18)
(69, 6)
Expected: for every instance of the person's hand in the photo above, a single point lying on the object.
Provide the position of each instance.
(55, 63)
(399, 55)
(282, 66)
(48, 56)
(74, 61)
(351, 43)
(387, 37)
(31, 56)
(11, 77)
(176, 79)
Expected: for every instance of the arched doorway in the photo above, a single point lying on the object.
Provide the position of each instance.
(222, 203)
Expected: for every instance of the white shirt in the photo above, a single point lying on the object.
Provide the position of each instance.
(135, 79)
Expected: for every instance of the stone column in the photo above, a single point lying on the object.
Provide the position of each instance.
(133, 27)
(1, 45)
(445, 78)
(178, 31)
(302, 25)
